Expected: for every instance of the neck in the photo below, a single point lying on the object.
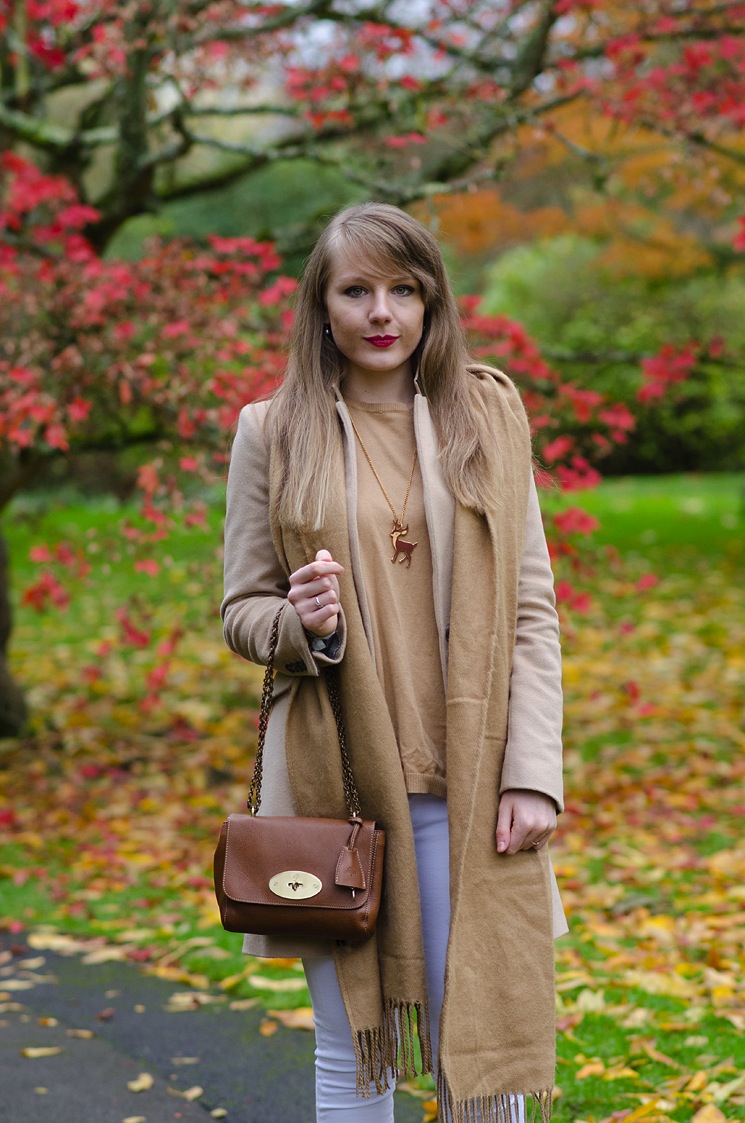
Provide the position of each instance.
(396, 386)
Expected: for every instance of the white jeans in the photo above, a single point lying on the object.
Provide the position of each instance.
(335, 1063)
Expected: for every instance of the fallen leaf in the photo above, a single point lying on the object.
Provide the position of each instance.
(142, 1083)
(84, 1034)
(724, 1091)
(35, 1051)
(709, 1114)
(302, 1018)
(193, 1093)
(218, 1113)
(592, 1068)
(263, 982)
(267, 1028)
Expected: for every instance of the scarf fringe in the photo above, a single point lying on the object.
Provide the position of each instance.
(387, 1053)
(501, 1108)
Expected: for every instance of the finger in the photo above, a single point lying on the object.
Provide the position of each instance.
(321, 621)
(504, 824)
(323, 600)
(518, 837)
(301, 591)
(315, 571)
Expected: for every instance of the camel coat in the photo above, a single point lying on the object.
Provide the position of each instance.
(255, 583)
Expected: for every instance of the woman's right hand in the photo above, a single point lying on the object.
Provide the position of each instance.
(314, 594)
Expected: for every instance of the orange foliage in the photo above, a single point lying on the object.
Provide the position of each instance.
(483, 222)
(657, 211)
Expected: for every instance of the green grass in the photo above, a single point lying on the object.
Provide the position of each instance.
(678, 527)
(672, 518)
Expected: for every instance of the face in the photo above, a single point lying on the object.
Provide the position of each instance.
(376, 318)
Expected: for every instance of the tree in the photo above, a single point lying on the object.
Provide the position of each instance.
(108, 110)
(145, 100)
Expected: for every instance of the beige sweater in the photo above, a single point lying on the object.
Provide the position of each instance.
(402, 610)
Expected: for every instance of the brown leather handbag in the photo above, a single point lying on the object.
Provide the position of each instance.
(295, 876)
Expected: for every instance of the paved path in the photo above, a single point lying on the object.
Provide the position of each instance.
(254, 1079)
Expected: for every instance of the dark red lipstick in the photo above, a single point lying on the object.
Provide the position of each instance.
(381, 340)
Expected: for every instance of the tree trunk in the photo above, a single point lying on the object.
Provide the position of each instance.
(13, 710)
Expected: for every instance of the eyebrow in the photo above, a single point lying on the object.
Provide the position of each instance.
(360, 279)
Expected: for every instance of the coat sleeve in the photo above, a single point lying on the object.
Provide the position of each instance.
(533, 753)
(256, 584)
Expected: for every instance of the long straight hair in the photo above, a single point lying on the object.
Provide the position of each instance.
(303, 414)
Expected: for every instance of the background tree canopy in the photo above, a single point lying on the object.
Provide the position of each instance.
(165, 166)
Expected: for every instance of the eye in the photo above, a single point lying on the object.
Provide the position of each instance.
(354, 290)
(403, 290)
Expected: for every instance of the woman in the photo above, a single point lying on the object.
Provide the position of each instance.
(387, 444)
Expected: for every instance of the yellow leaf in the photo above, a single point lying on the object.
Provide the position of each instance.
(41, 1051)
(643, 1111)
(218, 1113)
(659, 928)
(620, 1072)
(697, 1083)
(302, 1018)
(85, 1034)
(142, 1083)
(724, 1091)
(268, 1028)
(193, 1093)
(590, 1000)
(262, 982)
(135, 1119)
(593, 1068)
(709, 1114)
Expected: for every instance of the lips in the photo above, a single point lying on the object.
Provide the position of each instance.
(381, 340)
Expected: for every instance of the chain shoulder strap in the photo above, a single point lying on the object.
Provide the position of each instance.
(350, 788)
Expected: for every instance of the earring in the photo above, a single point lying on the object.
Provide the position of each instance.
(327, 332)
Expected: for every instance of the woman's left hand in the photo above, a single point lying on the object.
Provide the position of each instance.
(526, 821)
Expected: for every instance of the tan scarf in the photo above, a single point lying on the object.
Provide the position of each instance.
(497, 1035)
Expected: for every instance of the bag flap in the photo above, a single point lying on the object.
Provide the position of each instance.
(260, 848)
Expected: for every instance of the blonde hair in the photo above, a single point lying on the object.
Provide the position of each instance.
(303, 414)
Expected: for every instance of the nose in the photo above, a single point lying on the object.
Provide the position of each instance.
(380, 311)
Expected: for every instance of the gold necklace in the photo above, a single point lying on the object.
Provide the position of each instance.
(402, 550)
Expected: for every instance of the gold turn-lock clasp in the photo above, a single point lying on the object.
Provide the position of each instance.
(295, 885)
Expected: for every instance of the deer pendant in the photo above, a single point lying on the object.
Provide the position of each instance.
(402, 550)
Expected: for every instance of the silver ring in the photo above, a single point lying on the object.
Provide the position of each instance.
(536, 845)
(318, 603)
